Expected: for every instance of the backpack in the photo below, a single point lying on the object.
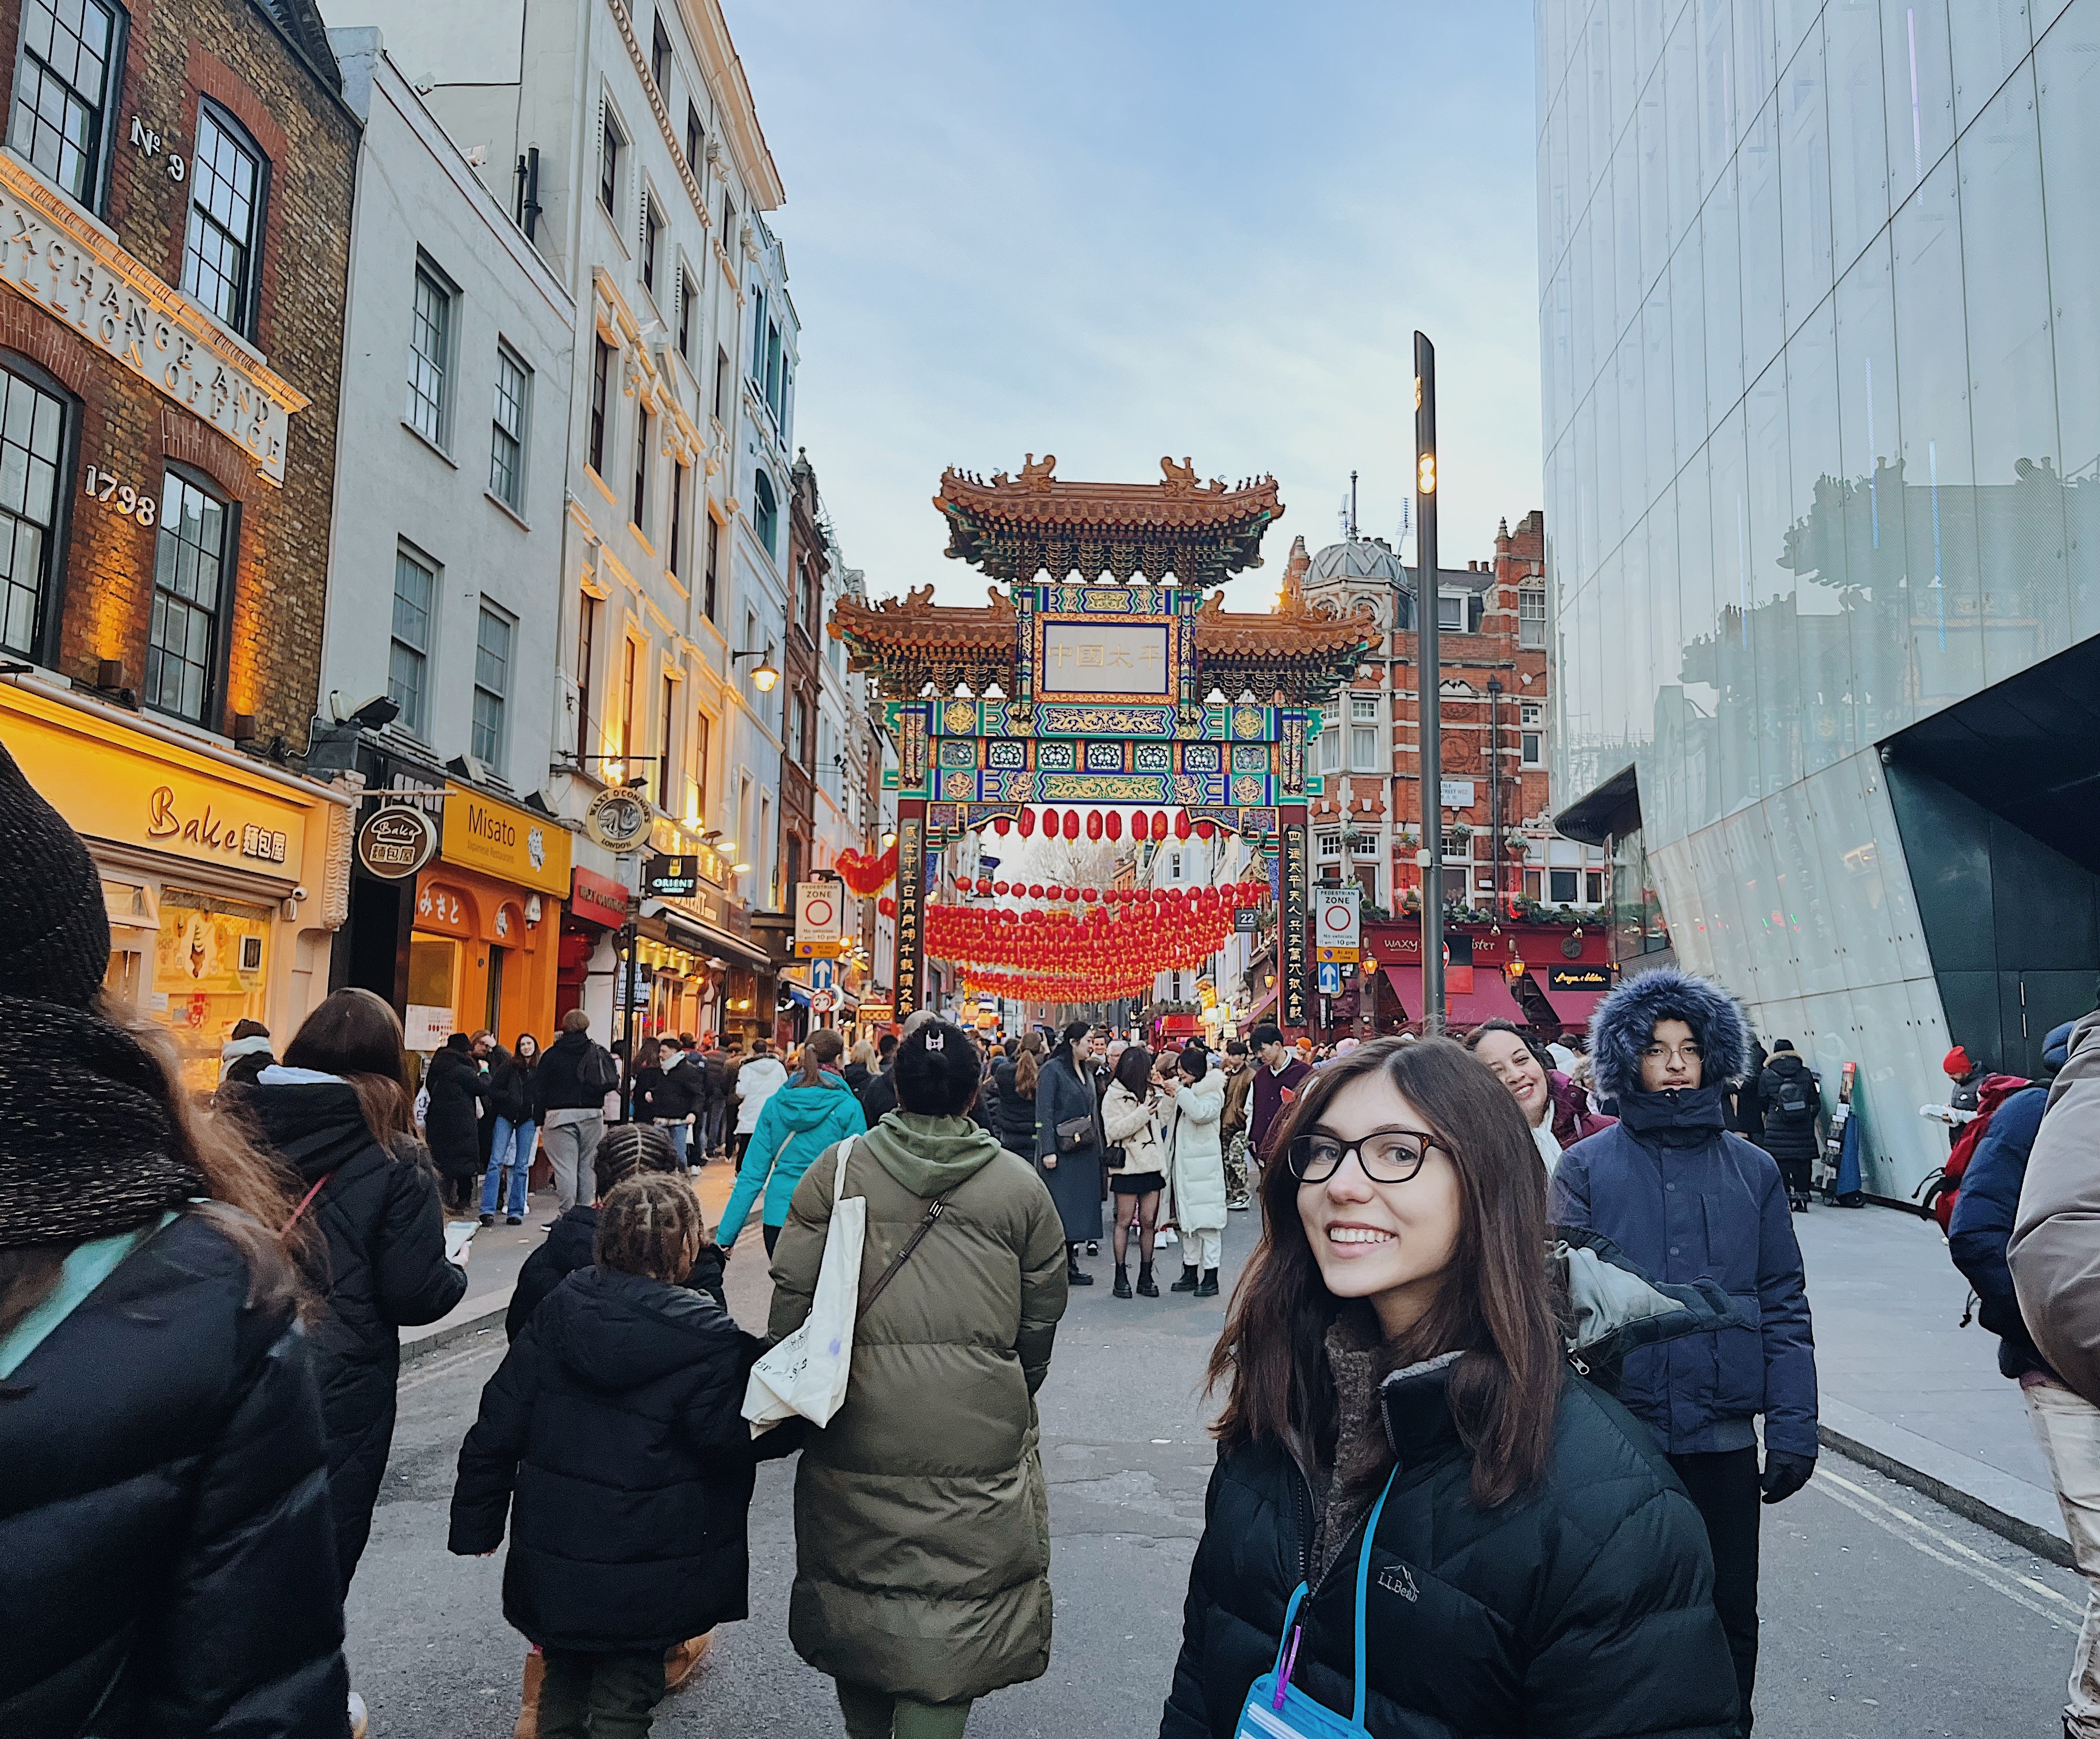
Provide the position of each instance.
(598, 1071)
(1793, 1103)
(1940, 1191)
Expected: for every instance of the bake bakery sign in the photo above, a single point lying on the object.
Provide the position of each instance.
(71, 268)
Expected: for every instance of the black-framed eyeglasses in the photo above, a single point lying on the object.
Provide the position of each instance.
(1390, 1156)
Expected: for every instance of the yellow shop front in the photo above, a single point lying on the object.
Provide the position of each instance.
(223, 877)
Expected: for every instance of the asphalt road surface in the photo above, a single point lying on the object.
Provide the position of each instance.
(1884, 1614)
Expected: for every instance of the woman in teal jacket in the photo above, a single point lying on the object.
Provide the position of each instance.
(814, 1111)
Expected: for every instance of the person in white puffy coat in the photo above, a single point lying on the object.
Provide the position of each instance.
(1199, 1172)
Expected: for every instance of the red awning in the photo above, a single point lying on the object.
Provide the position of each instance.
(1574, 1007)
(1489, 1000)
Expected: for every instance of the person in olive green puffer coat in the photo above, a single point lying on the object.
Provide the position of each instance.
(922, 1522)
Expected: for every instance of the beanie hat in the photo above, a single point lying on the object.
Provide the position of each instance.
(1779, 1044)
(55, 947)
(1955, 1063)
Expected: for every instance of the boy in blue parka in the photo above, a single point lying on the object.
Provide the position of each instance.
(1684, 1199)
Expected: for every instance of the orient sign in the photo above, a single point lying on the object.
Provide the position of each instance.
(396, 842)
(70, 267)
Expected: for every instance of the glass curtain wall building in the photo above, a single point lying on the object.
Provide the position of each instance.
(1820, 333)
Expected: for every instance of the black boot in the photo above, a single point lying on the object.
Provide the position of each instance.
(1075, 1275)
(1122, 1288)
(1147, 1287)
(1187, 1282)
(1208, 1287)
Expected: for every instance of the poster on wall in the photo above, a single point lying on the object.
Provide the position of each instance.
(209, 961)
(426, 1026)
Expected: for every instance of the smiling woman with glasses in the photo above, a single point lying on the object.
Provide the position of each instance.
(1406, 1456)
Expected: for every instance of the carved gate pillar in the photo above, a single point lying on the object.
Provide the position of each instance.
(910, 966)
(1294, 924)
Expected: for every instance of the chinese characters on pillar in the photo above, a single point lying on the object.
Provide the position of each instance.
(911, 903)
(1297, 891)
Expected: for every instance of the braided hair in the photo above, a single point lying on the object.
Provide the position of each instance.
(627, 1148)
(651, 1226)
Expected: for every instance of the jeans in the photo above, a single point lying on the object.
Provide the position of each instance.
(677, 1131)
(2068, 1427)
(512, 1148)
(571, 1148)
(1723, 1488)
(876, 1714)
(607, 1696)
(716, 1114)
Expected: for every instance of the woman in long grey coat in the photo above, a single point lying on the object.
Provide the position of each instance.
(1064, 1092)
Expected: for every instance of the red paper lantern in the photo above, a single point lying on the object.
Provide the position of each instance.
(999, 888)
(1027, 823)
(886, 906)
(1114, 824)
(1087, 893)
(1204, 829)
(1035, 891)
(984, 884)
(999, 824)
(1181, 824)
(1093, 824)
(1071, 824)
(1159, 825)
(1071, 893)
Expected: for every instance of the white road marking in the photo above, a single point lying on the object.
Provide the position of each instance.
(2021, 1589)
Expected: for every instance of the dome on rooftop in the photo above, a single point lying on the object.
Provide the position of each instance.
(1356, 562)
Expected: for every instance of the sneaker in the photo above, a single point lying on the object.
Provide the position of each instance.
(1092, 1247)
(1240, 1204)
(488, 1219)
(360, 1724)
(1167, 1235)
(514, 1219)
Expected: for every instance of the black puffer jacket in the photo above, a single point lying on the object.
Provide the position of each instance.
(1788, 1135)
(1016, 1128)
(1585, 1608)
(451, 1121)
(567, 1248)
(509, 1088)
(375, 1250)
(616, 1418)
(166, 1561)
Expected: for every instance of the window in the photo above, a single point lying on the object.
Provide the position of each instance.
(713, 566)
(1330, 845)
(689, 292)
(1533, 747)
(226, 205)
(757, 337)
(1532, 715)
(586, 660)
(601, 380)
(1367, 844)
(773, 370)
(1458, 846)
(63, 91)
(1565, 885)
(1593, 887)
(32, 441)
(409, 658)
(797, 747)
(722, 379)
(612, 143)
(491, 685)
(695, 140)
(652, 231)
(659, 56)
(703, 744)
(642, 420)
(430, 340)
(1173, 866)
(1403, 612)
(506, 454)
(667, 743)
(189, 566)
(627, 709)
(1531, 616)
(1451, 612)
(675, 562)
(765, 510)
(1363, 732)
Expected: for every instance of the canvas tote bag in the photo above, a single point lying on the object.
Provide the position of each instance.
(806, 1373)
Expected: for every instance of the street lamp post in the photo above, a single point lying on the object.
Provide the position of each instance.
(1428, 684)
(1495, 788)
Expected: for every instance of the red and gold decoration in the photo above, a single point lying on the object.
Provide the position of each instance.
(865, 874)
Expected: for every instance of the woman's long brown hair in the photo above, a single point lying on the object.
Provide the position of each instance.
(1496, 1305)
(820, 1050)
(353, 1034)
(1027, 1069)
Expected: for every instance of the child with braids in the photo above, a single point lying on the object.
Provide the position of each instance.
(616, 1421)
(624, 1150)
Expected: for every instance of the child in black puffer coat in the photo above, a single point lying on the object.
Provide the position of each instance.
(616, 1420)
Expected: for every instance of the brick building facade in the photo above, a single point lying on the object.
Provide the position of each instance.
(174, 216)
(808, 559)
(1367, 823)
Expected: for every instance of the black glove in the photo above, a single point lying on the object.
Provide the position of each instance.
(1785, 1474)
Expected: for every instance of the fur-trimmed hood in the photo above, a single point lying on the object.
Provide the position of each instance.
(1625, 1020)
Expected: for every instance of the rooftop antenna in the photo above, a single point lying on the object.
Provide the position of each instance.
(1352, 506)
(1342, 517)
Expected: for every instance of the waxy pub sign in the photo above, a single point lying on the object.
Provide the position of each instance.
(71, 268)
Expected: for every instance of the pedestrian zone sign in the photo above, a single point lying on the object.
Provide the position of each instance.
(817, 917)
(1338, 932)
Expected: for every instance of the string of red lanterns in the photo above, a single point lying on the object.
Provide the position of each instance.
(1103, 824)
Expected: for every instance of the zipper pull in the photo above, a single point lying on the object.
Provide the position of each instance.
(1580, 1369)
(1289, 1661)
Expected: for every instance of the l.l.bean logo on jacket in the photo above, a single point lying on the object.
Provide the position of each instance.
(1398, 1578)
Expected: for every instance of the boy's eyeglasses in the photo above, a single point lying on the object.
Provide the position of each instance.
(1391, 1155)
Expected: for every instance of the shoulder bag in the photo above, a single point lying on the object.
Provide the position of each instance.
(1075, 1133)
(1275, 1709)
(805, 1374)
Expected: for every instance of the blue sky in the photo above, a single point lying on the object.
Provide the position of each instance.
(1114, 231)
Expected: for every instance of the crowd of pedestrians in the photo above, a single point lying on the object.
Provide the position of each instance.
(1521, 1354)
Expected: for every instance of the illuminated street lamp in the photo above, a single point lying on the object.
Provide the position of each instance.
(766, 675)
